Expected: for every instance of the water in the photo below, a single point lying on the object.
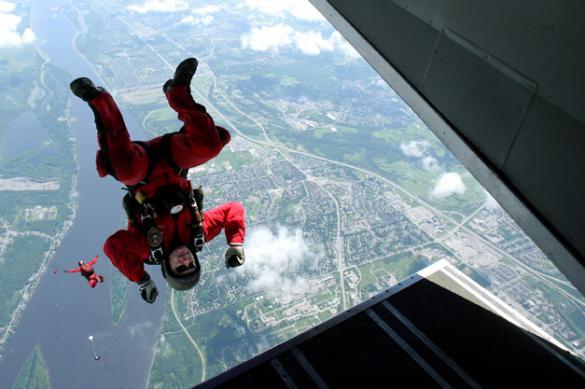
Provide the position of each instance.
(25, 133)
(64, 310)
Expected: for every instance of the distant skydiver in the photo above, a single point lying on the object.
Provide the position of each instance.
(166, 225)
(86, 270)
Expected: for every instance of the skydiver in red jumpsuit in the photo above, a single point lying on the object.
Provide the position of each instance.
(87, 271)
(166, 225)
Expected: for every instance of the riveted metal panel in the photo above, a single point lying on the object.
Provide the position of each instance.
(547, 164)
(395, 33)
(482, 97)
(544, 39)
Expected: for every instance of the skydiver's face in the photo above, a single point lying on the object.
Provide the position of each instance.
(181, 261)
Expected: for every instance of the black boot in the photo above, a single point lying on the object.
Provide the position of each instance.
(183, 74)
(84, 88)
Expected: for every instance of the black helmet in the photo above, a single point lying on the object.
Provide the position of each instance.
(177, 281)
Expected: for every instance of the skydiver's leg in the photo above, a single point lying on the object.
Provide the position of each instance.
(92, 281)
(118, 156)
(126, 161)
(200, 139)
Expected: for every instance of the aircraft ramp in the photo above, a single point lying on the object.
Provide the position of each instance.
(438, 328)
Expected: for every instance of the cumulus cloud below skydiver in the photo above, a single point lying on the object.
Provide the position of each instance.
(280, 261)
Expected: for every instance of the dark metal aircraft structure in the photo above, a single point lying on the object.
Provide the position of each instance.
(436, 329)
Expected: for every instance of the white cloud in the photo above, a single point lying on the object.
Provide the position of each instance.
(207, 20)
(159, 6)
(420, 149)
(6, 6)
(304, 10)
(300, 9)
(448, 184)
(415, 148)
(268, 38)
(275, 262)
(206, 10)
(343, 46)
(312, 43)
(381, 83)
(272, 7)
(203, 15)
(430, 163)
(187, 20)
(9, 35)
(191, 20)
(281, 36)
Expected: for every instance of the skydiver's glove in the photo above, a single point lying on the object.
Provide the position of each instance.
(147, 289)
(234, 255)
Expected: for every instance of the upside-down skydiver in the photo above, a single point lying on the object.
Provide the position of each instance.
(166, 223)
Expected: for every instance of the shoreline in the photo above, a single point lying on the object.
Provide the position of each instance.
(56, 240)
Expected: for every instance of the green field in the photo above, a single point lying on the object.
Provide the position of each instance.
(22, 260)
(34, 374)
(118, 292)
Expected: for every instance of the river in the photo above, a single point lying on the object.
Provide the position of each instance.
(64, 310)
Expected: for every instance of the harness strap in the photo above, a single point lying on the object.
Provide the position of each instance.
(198, 237)
(153, 234)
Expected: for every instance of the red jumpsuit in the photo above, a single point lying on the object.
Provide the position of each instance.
(87, 271)
(198, 141)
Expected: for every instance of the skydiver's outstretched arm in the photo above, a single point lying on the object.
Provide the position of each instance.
(76, 270)
(200, 139)
(127, 250)
(93, 261)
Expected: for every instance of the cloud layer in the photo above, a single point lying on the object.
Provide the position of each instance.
(448, 185)
(205, 20)
(282, 36)
(207, 10)
(276, 261)
(159, 6)
(9, 35)
(268, 38)
(300, 9)
(202, 15)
